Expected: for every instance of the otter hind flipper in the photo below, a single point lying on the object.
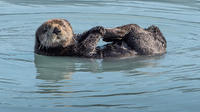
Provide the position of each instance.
(157, 34)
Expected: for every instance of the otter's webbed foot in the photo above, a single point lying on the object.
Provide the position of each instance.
(114, 34)
(118, 33)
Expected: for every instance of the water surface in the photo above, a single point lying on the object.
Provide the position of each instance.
(33, 83)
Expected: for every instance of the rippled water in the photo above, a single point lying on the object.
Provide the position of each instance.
(33, 83)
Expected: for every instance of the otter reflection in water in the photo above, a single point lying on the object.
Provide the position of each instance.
(56, 38)
(59, 68)
(62, 68)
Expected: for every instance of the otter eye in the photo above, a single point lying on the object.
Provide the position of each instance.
(56, 30)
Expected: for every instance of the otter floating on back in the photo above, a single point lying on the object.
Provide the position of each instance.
(56, 38)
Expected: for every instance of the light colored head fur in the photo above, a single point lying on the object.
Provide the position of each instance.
(55, 33)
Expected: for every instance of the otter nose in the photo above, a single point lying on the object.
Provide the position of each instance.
(56, 31)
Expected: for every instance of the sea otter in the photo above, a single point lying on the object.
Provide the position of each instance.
(56, 38)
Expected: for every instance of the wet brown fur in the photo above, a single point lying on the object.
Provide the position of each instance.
(127, 40)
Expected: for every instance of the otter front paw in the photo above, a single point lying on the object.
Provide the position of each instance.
(98, 29)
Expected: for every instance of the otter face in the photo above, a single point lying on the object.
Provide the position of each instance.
(55, 33)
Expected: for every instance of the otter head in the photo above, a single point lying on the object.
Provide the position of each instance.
(54, 33)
